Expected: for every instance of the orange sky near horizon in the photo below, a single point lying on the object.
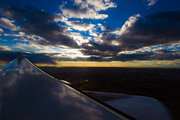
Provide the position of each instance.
(136, 64)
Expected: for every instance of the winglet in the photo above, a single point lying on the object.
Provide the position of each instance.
(19, 57)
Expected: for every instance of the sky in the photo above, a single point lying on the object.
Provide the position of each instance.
(91, 33)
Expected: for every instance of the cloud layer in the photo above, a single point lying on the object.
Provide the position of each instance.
(79, 40)
(161, 28)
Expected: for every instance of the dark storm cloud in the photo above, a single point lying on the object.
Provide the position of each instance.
(40, 58)
(103, 49)
(7, 55)
(95, 59)
(138, 55)
(33, 57)
(131, 57)
(40, 23)
(147, 55)
(108, 37)
(166, 55)
(155, 29)
(109, 56)
(107, 28)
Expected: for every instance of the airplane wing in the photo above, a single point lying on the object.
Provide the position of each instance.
(139, 107)
(26, 92)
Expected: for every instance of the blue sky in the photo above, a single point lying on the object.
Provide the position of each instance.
(50, 31)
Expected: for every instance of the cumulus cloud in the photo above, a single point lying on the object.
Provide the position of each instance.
(87, 13)
(104, 28)
(39, 23)
(88, 9)
(77, 25)
(99, 5)
(4, 48)
(1, 30)
(79, 38)
(151, 2)
(93, 32)
(59, 17)
(155, 29)
(128, 24)
(6, 23)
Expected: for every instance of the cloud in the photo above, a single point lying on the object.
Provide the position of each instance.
(87, 13)
(104, 28)
(59, 17)
(34, 48)
(6, 23)
(155, 29)
(4, 48)
(26, 47)
(104, 44)
(69, 54)
(77, 25)
(100, 49)
(43, 31)
(136, 55)
(128, 24)
(108, 38)
(79, 38)
(151, 2)
(33, 57)
(99, 5)
(39, 23)
(88, 9)
(93, 32)
(19, 34)
(1, 30)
